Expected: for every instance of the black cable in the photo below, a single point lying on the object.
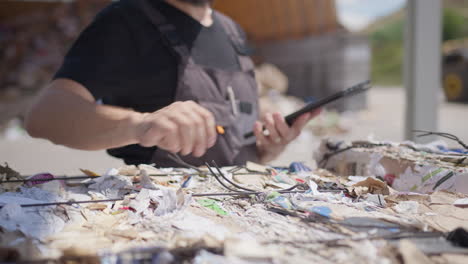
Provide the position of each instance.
(69, 202)
(237, 193)
(327, 156)
(226, 179)
(290, 188)
(322, 163)
(236, 168)
(52, 179)
(176, 158)
(233, 193)
(425, 133)
(216, 177)
(244, 188)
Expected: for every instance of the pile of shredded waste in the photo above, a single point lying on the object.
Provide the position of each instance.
(247, 214)
(405, 166)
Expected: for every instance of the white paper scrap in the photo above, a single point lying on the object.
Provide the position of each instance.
(461, 202)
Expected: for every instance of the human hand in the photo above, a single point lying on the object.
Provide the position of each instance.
(279, 134)
(182, 127)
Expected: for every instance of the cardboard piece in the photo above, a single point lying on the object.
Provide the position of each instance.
(369, 185)
(411, 254)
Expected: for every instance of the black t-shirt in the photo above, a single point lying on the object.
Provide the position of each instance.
(121, 59)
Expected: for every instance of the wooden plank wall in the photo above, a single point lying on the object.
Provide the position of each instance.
(10, 8)
(263, 20)
(267, 20)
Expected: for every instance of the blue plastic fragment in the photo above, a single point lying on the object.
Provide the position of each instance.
(186, 183)
(298, 166)
(455, 150)
(283, 202)
(321, 210)
(280, 169)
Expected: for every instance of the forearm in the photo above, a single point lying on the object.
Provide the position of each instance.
(66, 114)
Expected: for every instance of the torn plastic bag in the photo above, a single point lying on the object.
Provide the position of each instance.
(33, 222)
(112, 186)
(159, 202)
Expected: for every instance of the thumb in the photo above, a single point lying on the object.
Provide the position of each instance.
(301, 121)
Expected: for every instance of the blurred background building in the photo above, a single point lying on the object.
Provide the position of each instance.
(319, 47)
(306, 41)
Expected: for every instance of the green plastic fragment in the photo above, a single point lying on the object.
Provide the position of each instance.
(213, 205)
(272, 196)
(431, 174)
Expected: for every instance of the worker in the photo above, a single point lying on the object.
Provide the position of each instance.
(152, 77)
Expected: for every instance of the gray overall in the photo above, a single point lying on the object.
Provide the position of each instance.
(213, 89)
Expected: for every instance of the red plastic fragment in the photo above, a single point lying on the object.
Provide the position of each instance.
(389, 178)
(127, 208)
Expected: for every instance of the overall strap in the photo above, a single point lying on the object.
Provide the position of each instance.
(235, 35)
(238, 41)
(168, 31)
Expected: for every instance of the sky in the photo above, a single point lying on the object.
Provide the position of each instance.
(357, 14)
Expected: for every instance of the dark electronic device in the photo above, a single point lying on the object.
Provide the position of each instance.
(356, 89)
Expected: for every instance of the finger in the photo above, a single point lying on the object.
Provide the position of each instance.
(185, 133)
(209, 125)
(200, 145)
(274, 136)
(283, 129)
(171, 143)
(258, 132)
(316, 112)
(198, 126)
(300, 123)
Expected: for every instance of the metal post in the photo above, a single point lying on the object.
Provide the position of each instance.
(422, 64)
